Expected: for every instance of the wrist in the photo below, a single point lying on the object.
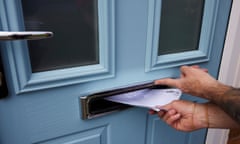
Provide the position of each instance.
(202, 117)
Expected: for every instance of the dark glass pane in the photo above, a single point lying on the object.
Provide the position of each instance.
(75, 27)
(180, 26)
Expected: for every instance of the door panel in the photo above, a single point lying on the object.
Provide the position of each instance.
(43, 104)
(200, 48)
(20, 57)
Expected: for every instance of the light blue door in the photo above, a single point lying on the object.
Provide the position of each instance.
(100, 45)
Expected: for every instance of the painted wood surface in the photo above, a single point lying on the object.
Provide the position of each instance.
(44, 108)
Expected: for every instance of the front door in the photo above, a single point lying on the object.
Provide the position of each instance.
(100, 45)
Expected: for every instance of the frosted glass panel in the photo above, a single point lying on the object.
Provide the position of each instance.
(180, 25)
(75, 27)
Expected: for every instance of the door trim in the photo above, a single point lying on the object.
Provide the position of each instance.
(230, 67)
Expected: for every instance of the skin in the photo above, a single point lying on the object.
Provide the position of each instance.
(188, 116)
(222, 112)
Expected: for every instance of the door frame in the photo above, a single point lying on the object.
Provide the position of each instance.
(230, 67)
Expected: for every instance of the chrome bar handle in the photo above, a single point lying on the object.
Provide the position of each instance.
(17, 35)
(24, 35)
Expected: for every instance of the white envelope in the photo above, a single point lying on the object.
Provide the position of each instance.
(149, 98)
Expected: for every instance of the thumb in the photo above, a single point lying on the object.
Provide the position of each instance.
(165, 108)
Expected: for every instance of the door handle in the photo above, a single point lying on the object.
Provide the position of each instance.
(24, 35)
(17, 35)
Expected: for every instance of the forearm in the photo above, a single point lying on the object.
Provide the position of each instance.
(214, 91)
(230, 103)
(217, 118)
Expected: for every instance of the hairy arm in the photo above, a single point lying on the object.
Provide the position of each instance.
(229, 101)
(217, 118)
(189, 116)
(197, 82)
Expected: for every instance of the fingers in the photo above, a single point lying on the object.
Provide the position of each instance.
(195, 66)
(170, 117)
(186, 69)
(161, 112)
(152, 112)
(168, 81)
(205, 70)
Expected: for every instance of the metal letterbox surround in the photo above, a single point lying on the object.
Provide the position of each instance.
(86, 100)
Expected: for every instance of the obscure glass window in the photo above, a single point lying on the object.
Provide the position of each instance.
(180, 25)
(75, 27)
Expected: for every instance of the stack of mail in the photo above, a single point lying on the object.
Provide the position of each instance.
(149, 98)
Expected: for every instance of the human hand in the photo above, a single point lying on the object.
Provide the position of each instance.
(184, 115)
(195, 81)
(189, 116)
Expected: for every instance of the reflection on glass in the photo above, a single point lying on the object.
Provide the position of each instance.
(75, 27)
(180, 25)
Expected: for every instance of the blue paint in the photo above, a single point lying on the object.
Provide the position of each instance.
(44, 107)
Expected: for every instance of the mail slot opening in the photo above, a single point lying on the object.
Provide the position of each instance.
(95, 105)
(100, 105)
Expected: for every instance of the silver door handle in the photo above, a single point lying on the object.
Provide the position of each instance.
(24, 35)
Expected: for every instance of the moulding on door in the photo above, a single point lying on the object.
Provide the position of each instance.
(16, 53)
(155, 62)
